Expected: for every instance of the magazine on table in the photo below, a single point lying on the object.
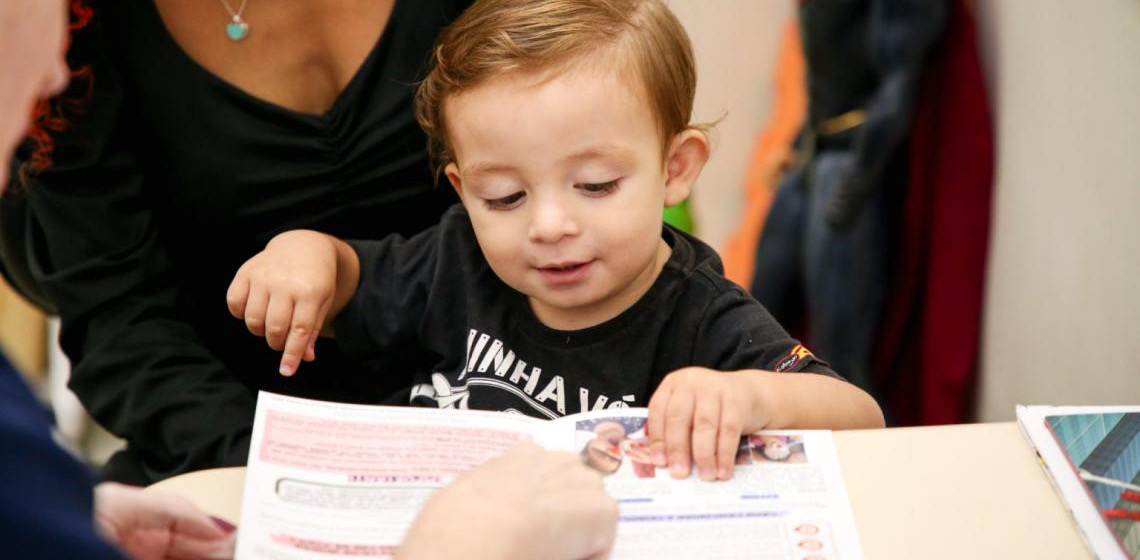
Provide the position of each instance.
(330, 480)
(1092, 456)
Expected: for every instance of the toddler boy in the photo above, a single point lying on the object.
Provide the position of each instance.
(554, 287)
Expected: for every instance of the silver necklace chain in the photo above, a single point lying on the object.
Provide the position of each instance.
(236, 15)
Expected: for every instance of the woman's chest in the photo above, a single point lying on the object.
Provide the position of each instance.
(299, 55)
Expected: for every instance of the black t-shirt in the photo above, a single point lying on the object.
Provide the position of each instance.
(167, 181)
(494, 354)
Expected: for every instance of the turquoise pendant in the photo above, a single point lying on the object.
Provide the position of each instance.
(237, 29)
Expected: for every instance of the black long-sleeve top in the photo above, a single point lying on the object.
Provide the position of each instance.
(167, 181)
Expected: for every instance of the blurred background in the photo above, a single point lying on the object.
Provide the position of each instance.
(989, 235)
(1060, 320)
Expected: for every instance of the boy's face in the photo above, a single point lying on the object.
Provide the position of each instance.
(565, 185)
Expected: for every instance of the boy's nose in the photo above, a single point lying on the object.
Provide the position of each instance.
(551, 221)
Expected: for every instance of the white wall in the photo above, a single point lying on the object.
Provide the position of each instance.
(736, 43)
(1062, 318)
(1062, 321)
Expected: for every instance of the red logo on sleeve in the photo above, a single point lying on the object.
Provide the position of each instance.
(793, 359)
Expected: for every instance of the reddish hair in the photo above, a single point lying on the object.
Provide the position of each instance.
(49, 115)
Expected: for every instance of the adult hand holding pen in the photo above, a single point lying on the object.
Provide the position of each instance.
(527, 503)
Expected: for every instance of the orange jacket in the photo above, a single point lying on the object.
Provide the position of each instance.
(774, 147)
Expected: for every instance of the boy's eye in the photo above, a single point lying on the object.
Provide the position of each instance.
(506, 202)
(598, 188)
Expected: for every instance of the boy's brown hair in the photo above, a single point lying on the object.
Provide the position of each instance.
(496, 37)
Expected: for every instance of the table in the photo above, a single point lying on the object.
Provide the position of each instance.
(946, 492)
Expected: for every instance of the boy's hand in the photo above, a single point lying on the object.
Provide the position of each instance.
(284, 293)
(701, 413)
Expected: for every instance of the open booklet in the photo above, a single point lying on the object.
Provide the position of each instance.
(329, 480)
(1092, 455)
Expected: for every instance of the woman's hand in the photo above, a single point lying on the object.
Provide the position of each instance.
(156, 526)
(527, 503)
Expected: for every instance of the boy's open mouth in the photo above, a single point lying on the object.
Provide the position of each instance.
(564, 268)
(565, 273)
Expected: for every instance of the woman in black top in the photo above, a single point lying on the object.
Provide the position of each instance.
(182, 163)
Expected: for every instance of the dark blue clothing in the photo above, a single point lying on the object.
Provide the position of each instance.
(864, 60)
(46, 499)
(834, 281)
(826, 250)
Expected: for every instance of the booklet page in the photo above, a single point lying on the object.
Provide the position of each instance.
(786, 498)
(330, 480)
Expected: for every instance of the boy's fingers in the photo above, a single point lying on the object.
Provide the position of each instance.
(236, 295)
(289, 365)
(278, 318)
(299, 341)
(255, 306)
(318, 324)
(678, 432)
(728, 442)
(321, 317)
(706, 421)
(655, 425)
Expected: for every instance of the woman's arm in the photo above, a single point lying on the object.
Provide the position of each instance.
(137, 365)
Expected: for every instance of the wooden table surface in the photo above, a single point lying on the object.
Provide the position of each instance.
(970, 491)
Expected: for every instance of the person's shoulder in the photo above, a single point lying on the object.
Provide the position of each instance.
(453, 233)
(704, 299)
(699, 264)
(456, 223)
(456, 245)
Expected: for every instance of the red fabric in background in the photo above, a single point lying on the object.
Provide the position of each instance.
(928, 349)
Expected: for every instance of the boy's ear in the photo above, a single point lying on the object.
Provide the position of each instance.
(452, 172)
(688, 153)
